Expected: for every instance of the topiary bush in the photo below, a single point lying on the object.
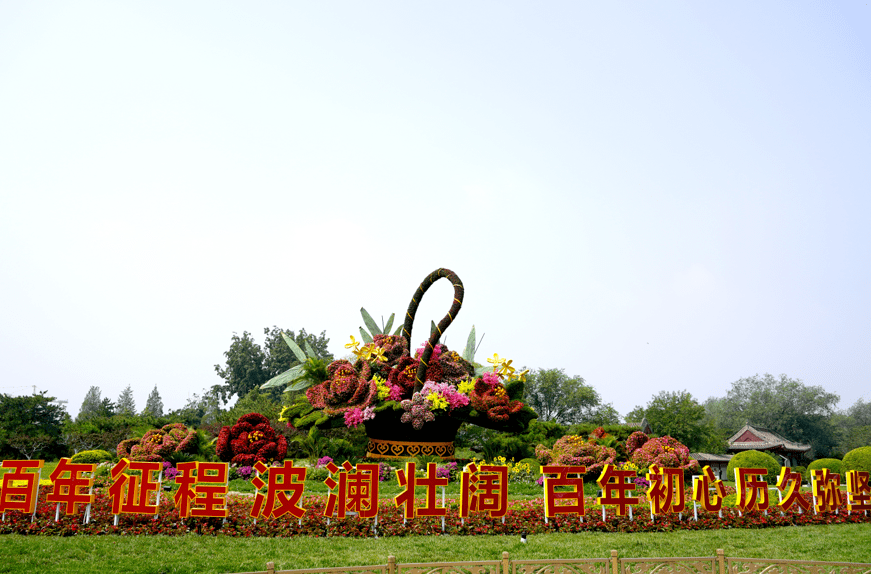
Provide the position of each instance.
(858, 459)
(833, 464)
(89, 456)
(754, 459)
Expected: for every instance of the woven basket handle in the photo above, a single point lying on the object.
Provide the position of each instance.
(440, 328)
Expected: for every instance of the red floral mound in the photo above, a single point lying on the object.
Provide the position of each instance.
(493, 400)
(635, 441)
(664, 451)
(346, 389)
(573, 450)
(251, 439)
(157, 444)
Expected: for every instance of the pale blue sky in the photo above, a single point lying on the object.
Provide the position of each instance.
(658, 196)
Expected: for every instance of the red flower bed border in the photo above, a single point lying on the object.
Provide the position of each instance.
(523, 516)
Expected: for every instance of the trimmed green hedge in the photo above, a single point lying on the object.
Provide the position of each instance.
(858, 459)
(833, 464)
(89, 456)
(754, 459)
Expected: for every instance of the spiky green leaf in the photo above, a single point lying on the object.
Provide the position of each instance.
(367, 338)
(469, 352)
(282, 379)
(389, 323)
(309, 351)
(398, 330)
(432, 328)
(300, 356)
(370, 323)
(299, 385)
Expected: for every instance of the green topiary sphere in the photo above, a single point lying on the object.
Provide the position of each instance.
(754, 459)
(858, 459)
(833, 464)
(89, 456)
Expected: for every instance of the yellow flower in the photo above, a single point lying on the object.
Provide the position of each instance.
(521, 375)
(381, 385)
(506, 369)
(354, 344)
(378, 354)
(437, 401)
(466, 387)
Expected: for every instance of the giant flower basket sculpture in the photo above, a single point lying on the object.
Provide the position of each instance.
(410, 404)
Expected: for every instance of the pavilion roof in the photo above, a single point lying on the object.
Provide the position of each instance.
(752, 437)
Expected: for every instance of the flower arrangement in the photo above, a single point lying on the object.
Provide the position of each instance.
(574, 450)
(250, 440)
(158, 444)
(432, 383)
(664, 451)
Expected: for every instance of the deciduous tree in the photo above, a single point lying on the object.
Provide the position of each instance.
(789, 407)
(678, 415)
(567, 400)
(248, 365)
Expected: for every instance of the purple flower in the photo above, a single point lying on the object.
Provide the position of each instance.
(323, 461)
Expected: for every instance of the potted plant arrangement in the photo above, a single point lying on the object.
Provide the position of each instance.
(411, 404)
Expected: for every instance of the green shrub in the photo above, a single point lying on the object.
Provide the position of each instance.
(833, 464)
(858, 459)
(317, 474)
(755, 459)
(802, 471)
(89, 456)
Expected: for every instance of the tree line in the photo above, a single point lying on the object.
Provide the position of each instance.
(34, 425)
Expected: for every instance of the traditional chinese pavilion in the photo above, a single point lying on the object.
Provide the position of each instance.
(757, 438)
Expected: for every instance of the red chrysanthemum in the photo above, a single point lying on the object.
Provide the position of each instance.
(345, 390)
(251, 439)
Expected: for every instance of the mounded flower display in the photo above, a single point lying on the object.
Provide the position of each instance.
(158, 444)
(250, 440)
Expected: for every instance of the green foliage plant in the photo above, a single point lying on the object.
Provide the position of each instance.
(754, 459)
(858, 459)
(95, 456)
(834, 465)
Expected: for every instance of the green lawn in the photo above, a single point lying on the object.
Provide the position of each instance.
(194, 554)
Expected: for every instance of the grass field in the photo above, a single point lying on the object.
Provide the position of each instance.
(195, 554)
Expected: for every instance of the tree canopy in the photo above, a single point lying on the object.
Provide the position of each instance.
(567, 400)
(678, 415)
(248, 365)
(30, 425)
(789, 407)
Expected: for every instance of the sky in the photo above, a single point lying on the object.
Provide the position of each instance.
(658, 196)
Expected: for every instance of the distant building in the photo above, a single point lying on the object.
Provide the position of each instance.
(717, 462)
(643, 426)
(752, 437)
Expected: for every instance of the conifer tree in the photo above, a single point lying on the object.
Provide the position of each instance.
(154, 405)
(126, 405)
(91, 406)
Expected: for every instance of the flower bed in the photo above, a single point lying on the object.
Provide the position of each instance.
(523, 516)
